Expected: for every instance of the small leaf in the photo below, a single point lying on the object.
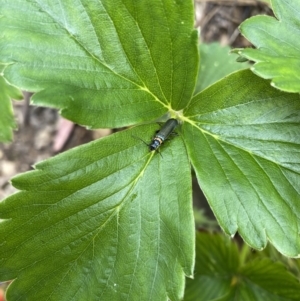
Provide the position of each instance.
(219, 275)
(96, 223)
(7, 121)
(103, 63)
(277, 55)
(269, 279)
(241, 59)
(216, 62)
(243, 143)
(216, 263)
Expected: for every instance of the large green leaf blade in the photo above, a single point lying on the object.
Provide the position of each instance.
(7, 122)
(92, 59)
(96, 223)
(277, 41)
(243, 143)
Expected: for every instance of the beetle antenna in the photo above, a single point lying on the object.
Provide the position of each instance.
(139, 139)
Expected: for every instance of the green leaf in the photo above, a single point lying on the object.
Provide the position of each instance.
(96, 223)
(277, 56)
(220, 276)
(216, 262)
(270, 252)
(7, 121)
(216, 62)
(243, 143)
(103, 63)
(270, 280)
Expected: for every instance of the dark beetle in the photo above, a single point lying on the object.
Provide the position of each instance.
(163, 134)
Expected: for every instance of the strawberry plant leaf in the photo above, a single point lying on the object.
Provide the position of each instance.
(93, 59)
(7, 121)
(217, 260)
(216, 62)
(264, 277)
(221, 276)
(96, 223)
(277, 56)
(243, 144)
